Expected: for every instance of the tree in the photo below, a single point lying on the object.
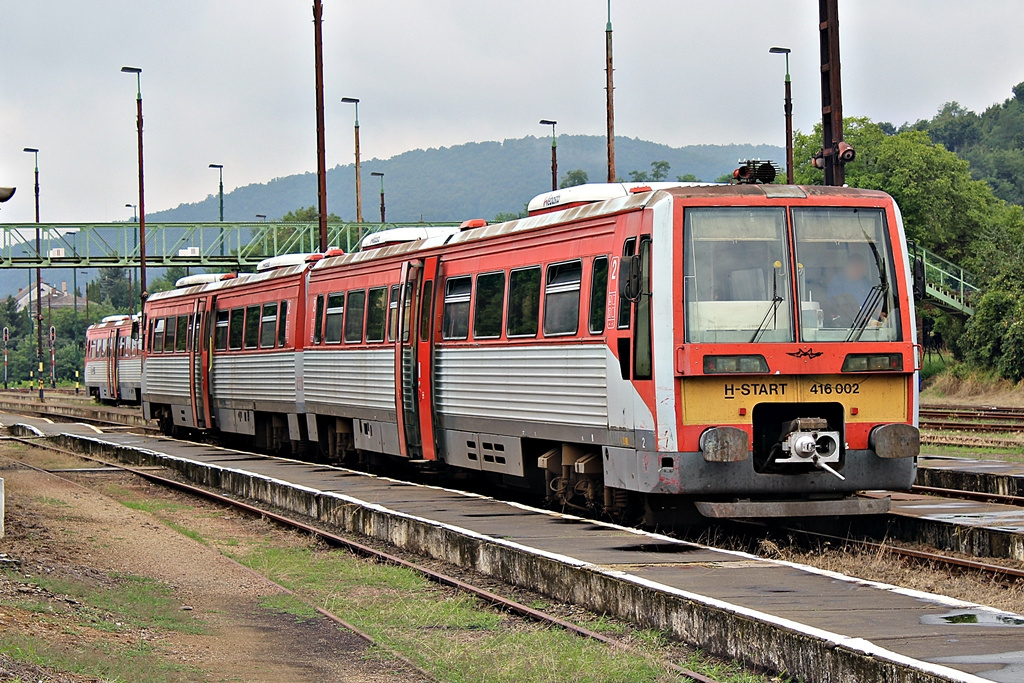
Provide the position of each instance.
(308, 214)
(166, 281)
(575, 177)
(688, 178)
(659, 171)
(111, 287)
(639, 176)
(509, 216)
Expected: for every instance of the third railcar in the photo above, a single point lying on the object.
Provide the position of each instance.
(747, 348)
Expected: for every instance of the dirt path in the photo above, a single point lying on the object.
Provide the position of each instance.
(61, 531)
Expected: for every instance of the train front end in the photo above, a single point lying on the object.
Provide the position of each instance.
(795, 362)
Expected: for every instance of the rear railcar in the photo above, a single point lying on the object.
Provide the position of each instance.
(112, 370)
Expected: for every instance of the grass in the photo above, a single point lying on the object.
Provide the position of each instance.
(56, 502)
(1005, 454)
(118, 662)
(453, 635)
(132, 601)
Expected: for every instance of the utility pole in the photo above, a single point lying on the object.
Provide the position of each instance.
(39, 281)
(610, 89)
(321, 144)
(831, 94)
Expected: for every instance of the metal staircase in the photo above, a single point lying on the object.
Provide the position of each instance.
(946, 284)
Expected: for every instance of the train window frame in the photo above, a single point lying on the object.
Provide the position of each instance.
(625, 314)
(268, 325)
(396, 294)
(458, 296)
(282, 324)
(220, 336)
(522, 292)
(598, 308)
(318, 319)
(643, 352)
(426, 310)
(235, 328)
(376, 314)
(251, 333)
(494, 299)
(334, 318)
(180, 335)
(562, 283)
(355, 301)
(170, 329)
(159, 326)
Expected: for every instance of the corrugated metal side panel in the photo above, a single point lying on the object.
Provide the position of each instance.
(129, 371)
(95, 372)
(554, 384)
(253, 377)
(363, 378)
(167, 376)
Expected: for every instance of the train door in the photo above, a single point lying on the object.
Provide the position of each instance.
(413, 360)
(199, 359)
(113, 337)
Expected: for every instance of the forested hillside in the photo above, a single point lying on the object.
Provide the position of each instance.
(472, 180)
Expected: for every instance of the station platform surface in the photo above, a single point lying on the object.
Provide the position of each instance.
(940, 638)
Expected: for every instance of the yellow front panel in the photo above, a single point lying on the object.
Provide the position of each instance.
(718, 399)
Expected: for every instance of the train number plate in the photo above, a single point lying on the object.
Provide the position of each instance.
(834, 388)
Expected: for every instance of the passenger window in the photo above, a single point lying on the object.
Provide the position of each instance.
(562, 298)
(282, 324)
(393, 314)
(181, 337)
(235, 329)
(642, 347)
(169, 327)
(598, 294)
(523, 302)
(158, 336)
(489, 307)
(406, 311)
(457, 294)
(220, 341)
(318, 319)
(335, 318)
(252, 326)
(356, 305)
(268, 326)
(426, 308)
(376, 315)
(625, 305)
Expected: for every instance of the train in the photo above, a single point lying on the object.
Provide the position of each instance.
(113, 360)
(667, 349)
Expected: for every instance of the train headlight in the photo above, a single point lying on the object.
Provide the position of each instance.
(873, 362)
(739, 364)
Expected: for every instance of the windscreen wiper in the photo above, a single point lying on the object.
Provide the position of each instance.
(776, 300)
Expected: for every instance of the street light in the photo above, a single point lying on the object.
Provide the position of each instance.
(220, 172)
(359, 186)
(142, 196)
(262, 217)
(554, 153)
(135, 211)
(789, 113)
(380, 174)
(39, 280)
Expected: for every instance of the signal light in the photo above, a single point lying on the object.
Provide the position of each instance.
(756, 171)
(818, 160)
(846, 153)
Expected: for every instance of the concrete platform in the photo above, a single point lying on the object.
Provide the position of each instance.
(812, 624)
(985, 476)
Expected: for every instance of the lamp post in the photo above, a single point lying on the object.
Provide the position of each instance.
(74, 294)
(39, 280)
(262, 217)
(788, 108)
(135, 211)
(554, 153)
(142, 195)
(359, 185)
(135, 237)
(380, 174)
(220, 185)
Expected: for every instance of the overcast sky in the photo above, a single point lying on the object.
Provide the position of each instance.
(231, 81)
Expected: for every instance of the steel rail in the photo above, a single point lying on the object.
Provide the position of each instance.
(970, 495)
(387, 558)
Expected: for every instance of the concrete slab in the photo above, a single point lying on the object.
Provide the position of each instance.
(986, 476)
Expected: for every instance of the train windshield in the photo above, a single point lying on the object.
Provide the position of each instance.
(737, 275)
(845, 275)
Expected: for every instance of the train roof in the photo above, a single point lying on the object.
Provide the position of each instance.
(113, 321)
(240, 280)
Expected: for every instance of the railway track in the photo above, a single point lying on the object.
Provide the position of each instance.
(984, 419)
(494, 599)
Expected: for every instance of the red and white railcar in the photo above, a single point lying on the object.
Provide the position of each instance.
(716, 344)
(113, 360)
